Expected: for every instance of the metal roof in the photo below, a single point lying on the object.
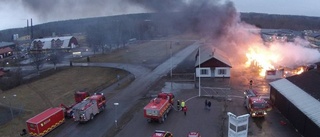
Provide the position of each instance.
(298, 97)
(47, 41)
(6, 44)
(208, 52)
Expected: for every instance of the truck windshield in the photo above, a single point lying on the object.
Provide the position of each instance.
(152, 112)
(259, 105)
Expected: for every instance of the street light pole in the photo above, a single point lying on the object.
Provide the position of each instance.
(115, 114)
(11, 111)
(171, 58)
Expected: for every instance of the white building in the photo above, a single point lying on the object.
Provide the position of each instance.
(213, 63)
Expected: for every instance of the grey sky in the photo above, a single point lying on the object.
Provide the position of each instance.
(288, 7)
(14, 13)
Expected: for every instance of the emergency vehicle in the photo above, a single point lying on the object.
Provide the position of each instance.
(160, 133)
(256, 105)
(158, 108)
(78, 97)
(89, 107)
(45, 121)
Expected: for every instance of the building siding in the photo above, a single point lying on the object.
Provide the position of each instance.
(299, 120)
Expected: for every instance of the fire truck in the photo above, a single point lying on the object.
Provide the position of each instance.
(158, 108)
(89, 107)
(78, 97)
(255, 104)
(45, 121)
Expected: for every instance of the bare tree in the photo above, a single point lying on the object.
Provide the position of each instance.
(55, 58)
(56, 54)
(37, 59)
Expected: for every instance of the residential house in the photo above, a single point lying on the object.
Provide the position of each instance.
(212, 63)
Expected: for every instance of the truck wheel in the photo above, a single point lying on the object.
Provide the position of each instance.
(161, 120)
(149, 120)
(102, 108)
(70, 115)
(91, 116)
(165, 116)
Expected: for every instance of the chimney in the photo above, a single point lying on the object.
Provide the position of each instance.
(31, 35)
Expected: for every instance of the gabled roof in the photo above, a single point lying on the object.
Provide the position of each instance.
(5, 50)
(212, 54)
(306, 103)
(47, 41)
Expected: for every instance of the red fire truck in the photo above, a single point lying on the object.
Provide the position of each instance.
(78, 97)
(158, 108)
(89, 107)
(45, 122)
(256, 105)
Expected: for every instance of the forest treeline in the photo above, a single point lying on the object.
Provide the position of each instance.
(119, 29)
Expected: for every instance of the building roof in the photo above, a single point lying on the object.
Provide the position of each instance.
(315, 35)
(6, 44)
(208, 53)
(5, 50)
(308, 81)
(306, 103)
(47, 41)
(44, 115)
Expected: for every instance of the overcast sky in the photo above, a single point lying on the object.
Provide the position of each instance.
(14, 13)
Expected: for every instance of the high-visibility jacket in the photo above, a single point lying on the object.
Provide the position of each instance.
(183, 104)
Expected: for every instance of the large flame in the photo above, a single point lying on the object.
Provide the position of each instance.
(265, 60)
(261, 58)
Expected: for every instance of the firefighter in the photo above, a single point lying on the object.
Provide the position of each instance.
(185, 109)
(178, 105)
(183, 104)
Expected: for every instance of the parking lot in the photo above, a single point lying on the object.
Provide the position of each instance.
(211, 123)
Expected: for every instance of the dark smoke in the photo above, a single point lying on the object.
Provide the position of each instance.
(209, 17)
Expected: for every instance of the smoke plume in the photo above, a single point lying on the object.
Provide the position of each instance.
(241, 38)
(217, 19)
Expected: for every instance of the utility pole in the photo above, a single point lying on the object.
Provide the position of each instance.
(11, 111)
(199, 71)
(171, 58)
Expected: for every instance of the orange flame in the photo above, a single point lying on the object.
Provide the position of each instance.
(261, 58)
(300, 71)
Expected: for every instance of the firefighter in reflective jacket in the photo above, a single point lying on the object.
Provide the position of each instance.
(183, 104)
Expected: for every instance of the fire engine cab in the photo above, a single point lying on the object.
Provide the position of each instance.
(256, 105)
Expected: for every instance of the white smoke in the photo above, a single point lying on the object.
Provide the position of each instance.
(240, 37)
(294, 54)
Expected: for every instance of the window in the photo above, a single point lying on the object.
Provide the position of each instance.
(204, 72)
(242, 128)
(233, 127)
(222, 71)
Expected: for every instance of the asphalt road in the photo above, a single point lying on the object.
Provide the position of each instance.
(213, 123)
(126, 98)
